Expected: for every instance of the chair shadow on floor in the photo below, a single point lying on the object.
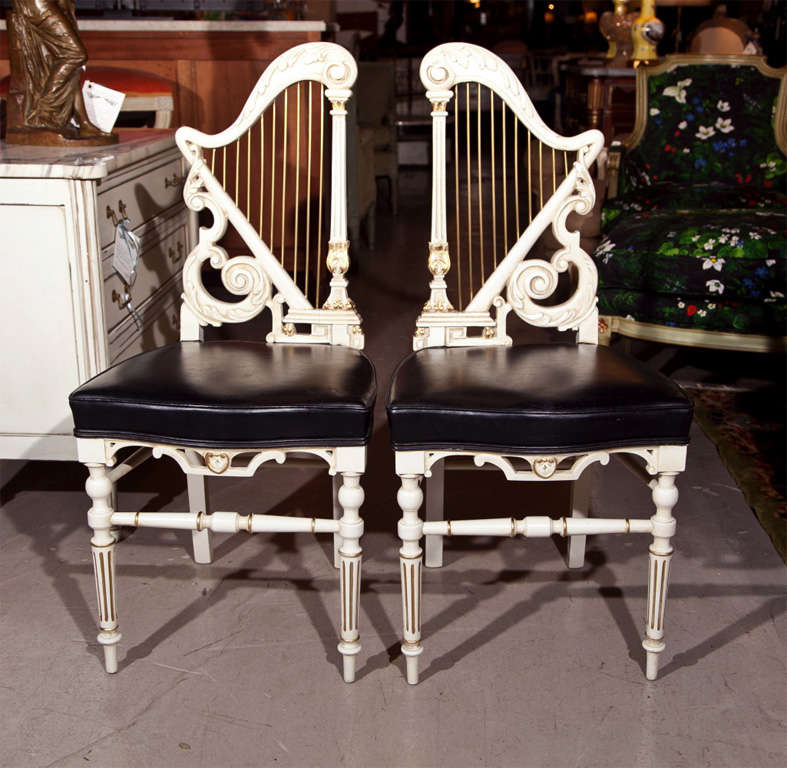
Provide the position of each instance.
(381, 578)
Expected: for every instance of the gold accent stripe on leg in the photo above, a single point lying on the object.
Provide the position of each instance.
(104, 586)
(412, 597)
(653, 596)
(661, 594)
(350, 598)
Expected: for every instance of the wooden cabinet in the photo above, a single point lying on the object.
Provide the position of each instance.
(62, 305)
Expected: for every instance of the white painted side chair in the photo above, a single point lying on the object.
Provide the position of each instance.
(226, 408)
(538, 412)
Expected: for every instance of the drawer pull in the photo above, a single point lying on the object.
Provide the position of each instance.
(112, 215)
(174, 181)
(121, 299)
(173, 257)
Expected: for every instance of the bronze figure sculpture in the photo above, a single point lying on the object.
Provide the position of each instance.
(46, 57)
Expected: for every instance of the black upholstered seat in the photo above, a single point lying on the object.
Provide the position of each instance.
(534, 398)
(232, 394)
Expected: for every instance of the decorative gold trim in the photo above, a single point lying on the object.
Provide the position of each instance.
(410, 557)
(136, 519)
(513, 527)
(218, 463)
(288, 329)
(199, 520)
(338, 259)
(438, 306)
(628, 525)
(565, 527)
(439, 259)
(249, 523)
(545, 466)
(448, 532)
(313, 524)
(440, 106)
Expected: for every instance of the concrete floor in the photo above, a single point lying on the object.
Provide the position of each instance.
(525, 663)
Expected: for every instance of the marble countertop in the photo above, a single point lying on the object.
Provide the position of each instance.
(169, 25)
(20, 161)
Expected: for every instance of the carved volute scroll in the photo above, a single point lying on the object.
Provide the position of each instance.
(260, 277)
(524, 283)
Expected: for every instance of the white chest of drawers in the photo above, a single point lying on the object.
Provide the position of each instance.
(62, 318)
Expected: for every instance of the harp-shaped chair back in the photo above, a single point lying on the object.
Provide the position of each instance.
(265, 176)
(501, 176)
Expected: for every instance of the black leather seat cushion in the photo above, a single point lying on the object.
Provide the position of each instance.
(555, 398)
(232, 394)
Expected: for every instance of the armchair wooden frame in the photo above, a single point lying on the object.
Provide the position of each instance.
(263, 282)
(519, 284)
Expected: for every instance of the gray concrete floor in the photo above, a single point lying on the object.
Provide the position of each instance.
(525, 663)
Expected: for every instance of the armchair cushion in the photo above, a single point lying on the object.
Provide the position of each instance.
(232, 394)
(671, 198)
(552, 398)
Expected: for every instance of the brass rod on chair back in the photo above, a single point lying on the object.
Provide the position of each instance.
(319, 199)
(297, 180)
(237, 170)
(248, 174)
(516, 172)
(529, 178)
(468, 187)
(273, 171)
(457, 226)
(262, 167)
(308, 188)
(479, 183)
(540, 175)
(505, 175)
(494, 212)
(284, 127)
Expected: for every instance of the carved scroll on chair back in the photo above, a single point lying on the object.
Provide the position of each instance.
(538, 412)
(226, 408)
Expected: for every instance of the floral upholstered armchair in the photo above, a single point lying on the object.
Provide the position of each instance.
(695, 222)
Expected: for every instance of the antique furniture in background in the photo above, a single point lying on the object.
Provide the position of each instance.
(695, 228)
(538, 412)
(225, 407)
(67, 309)
(46, 56)
(616, 28)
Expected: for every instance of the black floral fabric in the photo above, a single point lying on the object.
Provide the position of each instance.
(698, 239)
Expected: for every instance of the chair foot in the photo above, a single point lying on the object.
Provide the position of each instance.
(110, 640)
(349, 653)
(653, 650)
(411, 654)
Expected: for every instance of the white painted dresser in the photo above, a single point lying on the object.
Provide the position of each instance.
(62, 318)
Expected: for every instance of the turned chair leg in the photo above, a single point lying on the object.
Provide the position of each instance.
(435, 500)
(665, 496)
(336, 483)
(350, 496)
(580, 507)
(410, 531)
(198, 502)
(100, 489)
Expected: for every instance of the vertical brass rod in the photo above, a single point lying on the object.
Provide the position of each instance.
(308, 186)
(237, 169)
(285, 132)
(212, 161)
(565, 163)
(456, 194)
(529, 178)
(494, 212)
(224, 167)
(297, 179)
(469, 189)
(554, 172)
(540, 175)
(248, 173)
(516, 174)
(479, 181)
(319, 198)
(262, 167)
(273, 171)
(505, 175)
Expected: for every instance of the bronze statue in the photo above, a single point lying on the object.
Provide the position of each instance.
(46, 57)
